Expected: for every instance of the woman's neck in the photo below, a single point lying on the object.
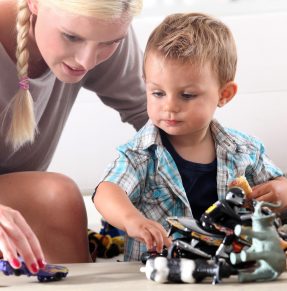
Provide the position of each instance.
(37, 65)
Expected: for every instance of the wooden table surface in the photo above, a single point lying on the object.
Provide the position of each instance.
(126, 276)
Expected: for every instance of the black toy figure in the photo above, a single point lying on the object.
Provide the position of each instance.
(223, 216)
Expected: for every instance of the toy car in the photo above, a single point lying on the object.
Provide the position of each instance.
(47, 274)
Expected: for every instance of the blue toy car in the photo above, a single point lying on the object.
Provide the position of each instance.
(47, 274)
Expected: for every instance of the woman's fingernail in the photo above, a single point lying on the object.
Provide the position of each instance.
(41, 263)
(34, 268)
(16, 263)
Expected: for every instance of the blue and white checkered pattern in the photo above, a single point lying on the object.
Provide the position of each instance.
(147, 173)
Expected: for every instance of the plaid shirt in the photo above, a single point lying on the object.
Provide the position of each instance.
(146, 171)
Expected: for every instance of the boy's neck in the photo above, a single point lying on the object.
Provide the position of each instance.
(197, 149)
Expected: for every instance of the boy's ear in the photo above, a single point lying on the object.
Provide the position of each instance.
(33, 6)
(226, 93)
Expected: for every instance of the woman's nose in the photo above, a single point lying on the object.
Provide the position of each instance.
(87, 57)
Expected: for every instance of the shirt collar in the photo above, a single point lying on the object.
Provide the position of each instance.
(149, 136)
(228, 142)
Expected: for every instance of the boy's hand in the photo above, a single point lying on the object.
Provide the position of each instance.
(272, 191)
(148, 231)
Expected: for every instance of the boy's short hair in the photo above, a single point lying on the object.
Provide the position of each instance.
(197, 38)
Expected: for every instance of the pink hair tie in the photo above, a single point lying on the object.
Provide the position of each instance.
(24, 83)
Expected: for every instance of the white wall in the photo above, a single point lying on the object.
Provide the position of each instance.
(93, 130)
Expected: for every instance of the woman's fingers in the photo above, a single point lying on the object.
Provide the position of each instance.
(18, 238)
(28, 247)
(7, 249)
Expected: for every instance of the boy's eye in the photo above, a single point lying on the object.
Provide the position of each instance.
(188, 96)
(70, 37)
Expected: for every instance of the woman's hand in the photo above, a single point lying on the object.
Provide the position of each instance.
(272, 191)
(18, 239)
(148, 231)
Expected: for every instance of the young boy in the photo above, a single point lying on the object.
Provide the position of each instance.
(182, 160)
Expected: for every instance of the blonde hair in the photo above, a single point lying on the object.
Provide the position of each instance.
(20, 110)
(100, 8)
(197, 38)
(22, 123)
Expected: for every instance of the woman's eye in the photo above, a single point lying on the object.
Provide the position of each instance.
(70, 37)
(116, 42)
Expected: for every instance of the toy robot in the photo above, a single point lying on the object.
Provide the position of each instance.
(213, 235)
(223, 216)
(265, 249)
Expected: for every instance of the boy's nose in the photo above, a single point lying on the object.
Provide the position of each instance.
(171, 105)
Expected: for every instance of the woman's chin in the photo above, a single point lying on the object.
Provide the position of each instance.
(68, 79)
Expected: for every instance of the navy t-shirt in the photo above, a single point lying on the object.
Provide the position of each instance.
(199, 180)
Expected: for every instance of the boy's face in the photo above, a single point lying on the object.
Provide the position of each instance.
(181, 97)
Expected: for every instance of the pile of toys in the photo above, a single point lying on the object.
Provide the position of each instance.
(235, 236)
(107, 243)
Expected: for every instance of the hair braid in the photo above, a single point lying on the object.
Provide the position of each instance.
(23, 125)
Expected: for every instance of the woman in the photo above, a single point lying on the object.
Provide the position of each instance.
(59, 47)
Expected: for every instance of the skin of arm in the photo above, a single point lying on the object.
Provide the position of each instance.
(114, 205)
(272, 191)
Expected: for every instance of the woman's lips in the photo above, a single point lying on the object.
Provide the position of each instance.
(74, 71)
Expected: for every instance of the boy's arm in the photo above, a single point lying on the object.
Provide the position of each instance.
(115, 206)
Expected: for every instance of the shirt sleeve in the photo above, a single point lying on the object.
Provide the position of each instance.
(263, 169)
(118, 82)
(126, 173)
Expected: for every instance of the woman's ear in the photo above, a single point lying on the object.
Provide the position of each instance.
(227, 92)
(33, 6)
